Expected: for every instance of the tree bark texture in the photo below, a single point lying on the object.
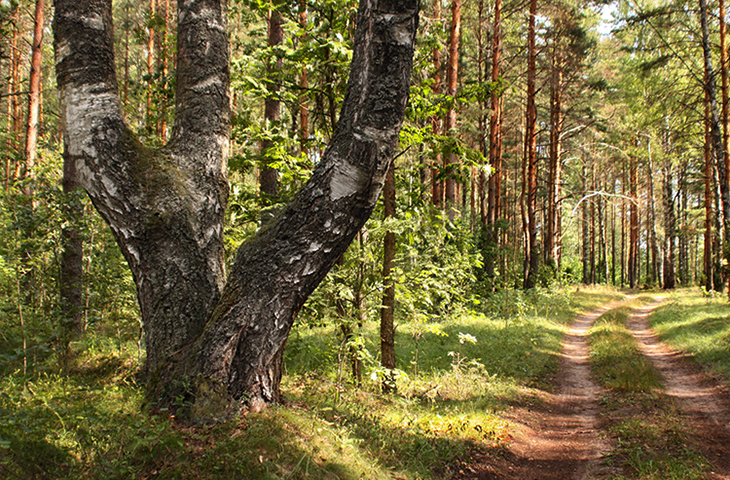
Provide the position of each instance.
(437, 186)
(495, 157)
(34, 94)
(210, 340)
(552, 244)
(452, 81)
(708, 262)
(670, 221)
(387, 330)
(633, 257)
(715, 130)
(268, 176)
(531, 252)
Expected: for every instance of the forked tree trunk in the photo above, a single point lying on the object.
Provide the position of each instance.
(217, 343)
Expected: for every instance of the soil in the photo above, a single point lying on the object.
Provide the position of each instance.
(559, 436)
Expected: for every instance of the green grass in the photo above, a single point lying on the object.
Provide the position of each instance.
(693, 322)
(652, 440)
(87, 422)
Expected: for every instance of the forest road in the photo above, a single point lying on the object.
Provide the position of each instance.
(704, 401)
(557, 438)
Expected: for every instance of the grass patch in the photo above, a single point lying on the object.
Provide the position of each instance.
(694, 322)
(652, 439)
(87, 422)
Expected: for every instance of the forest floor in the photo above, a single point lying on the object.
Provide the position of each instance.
(566, 434)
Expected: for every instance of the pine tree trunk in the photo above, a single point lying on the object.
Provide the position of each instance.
(34, 95)
(452, 81)
(268, 176)
(633, 260)
(708, 263)
(387, 331)
(552, 244)
(530, 186)
(437, 186)
(715, 131)
(495, 154)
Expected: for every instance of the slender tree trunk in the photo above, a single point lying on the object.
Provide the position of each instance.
(708, 258)
(653, 276)
(495, 154)
(304, 85)
(452, 80)
(437, 186)
(724, 78)
(633, 260)
(268, 176)
(150, 65)
(586, 250)
(715, 130)
(530, 186)
(34, 96)
(387, 331)
(552, 244)
(669, 226)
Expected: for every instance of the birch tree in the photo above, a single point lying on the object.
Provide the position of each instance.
(216, 340)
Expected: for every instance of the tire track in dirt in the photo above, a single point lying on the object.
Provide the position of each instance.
(557, 439)
(705, 402)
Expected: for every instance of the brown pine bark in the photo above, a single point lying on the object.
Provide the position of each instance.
(452, 79)
(34, 95)
(304, 85)
(724, 80)
(708, 267)
(670, 221)
(633, 257)
(437, 186)
(721, 157)
(530, 185)
(552, 238)
(268, 176)
(495, 151)
(150, 64)
(387, 330)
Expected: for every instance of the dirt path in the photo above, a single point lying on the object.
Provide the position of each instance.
(556, 439)
(701, 398)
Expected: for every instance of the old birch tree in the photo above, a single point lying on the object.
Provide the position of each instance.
(215, 340)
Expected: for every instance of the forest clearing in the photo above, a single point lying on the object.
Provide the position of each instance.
(389, 239)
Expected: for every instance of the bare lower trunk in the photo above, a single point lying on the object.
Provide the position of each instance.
(450, 159)
(34, 95)
(387, 331)
(532, 255)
